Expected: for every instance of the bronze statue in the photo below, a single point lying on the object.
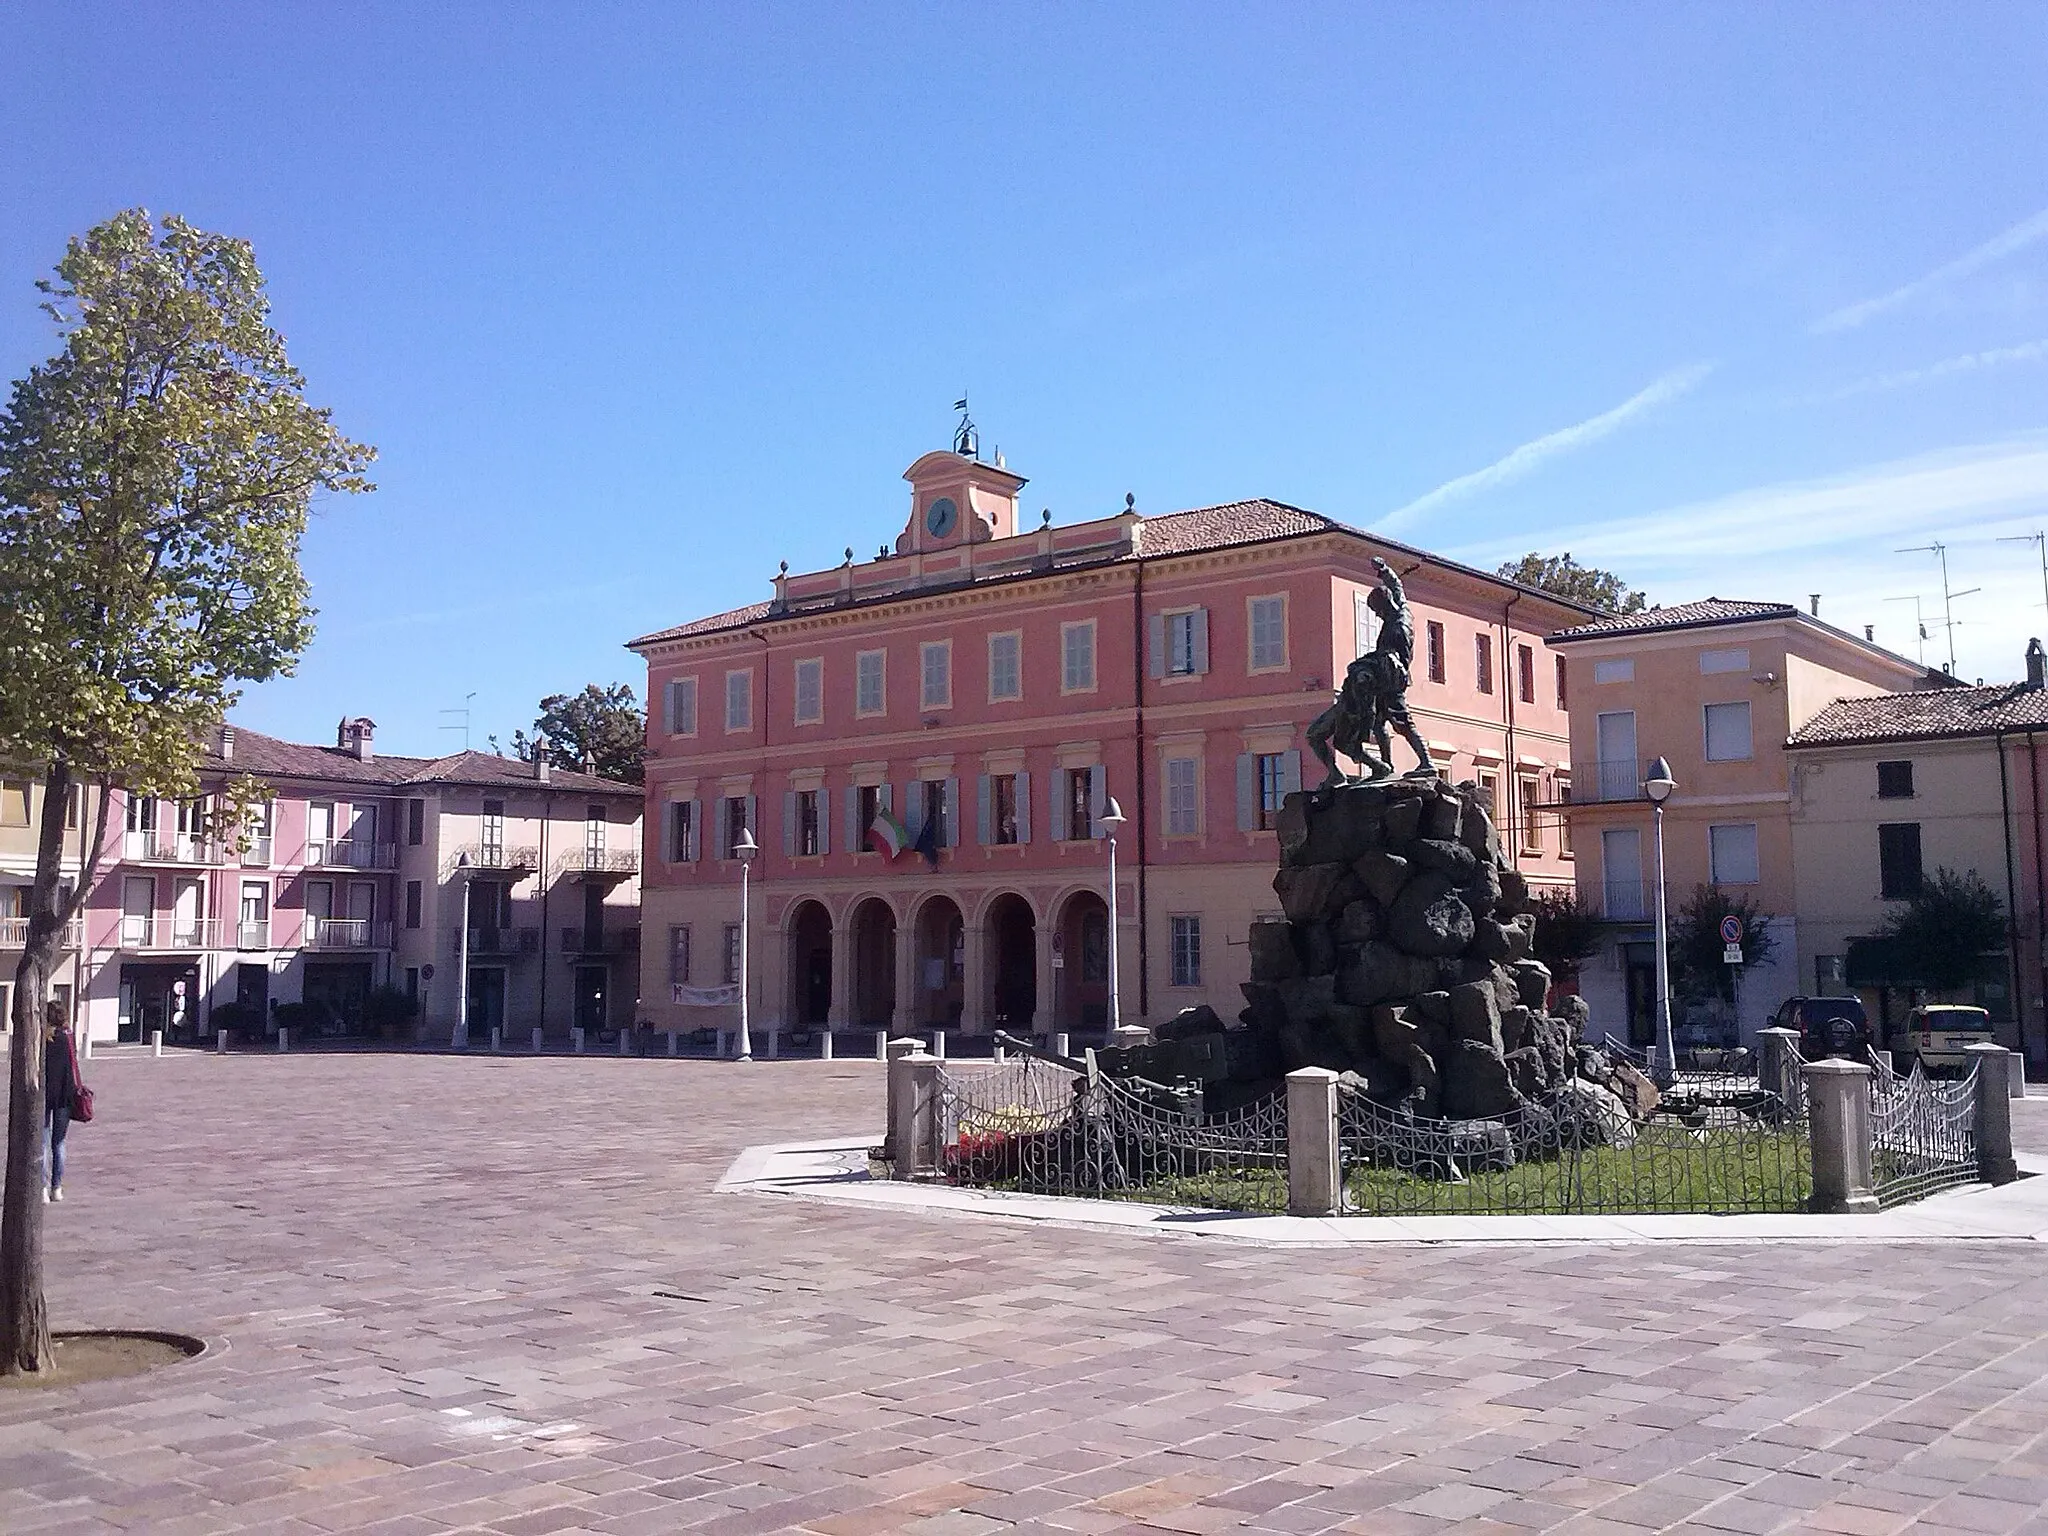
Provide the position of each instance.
(1373, 697)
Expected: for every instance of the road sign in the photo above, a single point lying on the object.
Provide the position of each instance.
(1731, 929)
(1732, 954)
(427, 971)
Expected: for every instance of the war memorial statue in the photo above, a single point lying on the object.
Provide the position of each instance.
(1373, 700)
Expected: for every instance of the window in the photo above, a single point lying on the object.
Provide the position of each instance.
(1434, 634)
(1564, 819)
(1732, 852)
(491, 839)
(682, 831)
(1364, 623)
(935, 667)
(1269, 633)
(412, 903)
(1002, 807)
(1180, 645)
(141, 814)
(1622, 670)
(678, 954)
(255, 925)
(593, 837)
(1525, 674)
(807, 838)
(1080, 823)
(1895, 781)
(868, 696)
(1898, 860)
(13, 803)
(1563, 697)
(1077, 657)
(1272, 788)
(1727, 732)
(1622, 898)
(1187, 951)
(1482, 662)
(1724, 661)
(1831, 975)
(415, 823)
(732, 953)
(1183, 808)
(870, 797)
(810, 692)
(735, 824)
(1005, 671)
(1489, 793)
(681, 706)
(1529, 789)
(934, 795)
(739, 700)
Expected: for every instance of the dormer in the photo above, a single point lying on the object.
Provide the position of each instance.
(956, 498)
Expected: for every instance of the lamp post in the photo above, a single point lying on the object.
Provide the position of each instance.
(1658, 785)
(744, 849)
(461, 1040)
(1112, 818)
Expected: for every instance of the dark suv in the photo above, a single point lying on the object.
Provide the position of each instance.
(1828, 1026)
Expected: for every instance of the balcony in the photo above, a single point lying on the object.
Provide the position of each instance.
(257, 854)
(345, 933)
(151, 847)
(603, 863)
(497, 941)
(1607, 780)
(601, 941)
(14, 933)
(252, 933)
(170, 933)
(351, 853)
(496, 858)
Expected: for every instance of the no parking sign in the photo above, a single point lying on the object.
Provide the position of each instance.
(1731, 939)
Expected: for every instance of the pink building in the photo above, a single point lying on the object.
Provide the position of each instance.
(1001, 684)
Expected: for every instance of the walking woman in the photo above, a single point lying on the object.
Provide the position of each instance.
(60, 1087)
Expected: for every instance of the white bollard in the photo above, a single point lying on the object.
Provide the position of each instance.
(774, 1041)
(939, 1044)
(625, 1041)
(497, 1038)
(536, 1039)
(284, 1037)
(220, 1042)
(825, 1046)
(997, 1054)
(576, 1039)
(1062, 1045)
(85, 1040)
(671, 1042)
(156, 1042)
(881, 1045)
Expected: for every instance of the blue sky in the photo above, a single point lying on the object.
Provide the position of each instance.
(637, 301)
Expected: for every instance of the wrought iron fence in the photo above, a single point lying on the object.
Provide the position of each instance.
(1923, 1134)
(1039, 1128)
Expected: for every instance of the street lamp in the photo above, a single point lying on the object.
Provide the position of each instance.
(1658, 785)
(461, 1040)
(1112, 818)
(744, 849)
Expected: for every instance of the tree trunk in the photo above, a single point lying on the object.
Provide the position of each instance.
(24, 1316)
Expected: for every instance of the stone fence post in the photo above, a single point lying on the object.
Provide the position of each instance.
(1838, 1117)
(1777, 1060)
(916, 1133)
(895, 1052)
(1995, 1069)
(1313, 1171)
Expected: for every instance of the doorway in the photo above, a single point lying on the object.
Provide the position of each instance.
(941, 957)
(1081, 963)
(593, 987)
(486, 999)
(1012, 946)
(810, 964)
(874, 964)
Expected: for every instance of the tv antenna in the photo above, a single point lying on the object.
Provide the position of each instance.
(2039, 539)
(1948, 598)
(461, 725)
(1919, 627)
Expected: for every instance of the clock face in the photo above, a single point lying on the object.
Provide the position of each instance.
(940, 517)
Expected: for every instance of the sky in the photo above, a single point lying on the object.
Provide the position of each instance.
(638, 301)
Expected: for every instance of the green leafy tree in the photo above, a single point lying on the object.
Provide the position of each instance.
(155, 475)
(605, 726)
(1945, 931)
(1696, 945)
(1562, 576)
(1567, 931)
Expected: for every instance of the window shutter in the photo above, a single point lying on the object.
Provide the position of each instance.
(952, 813)
(1290, 772)
(981, 810)
(669, 851)
(1056, 802)
(1201, 640)
(1155, 645)
(1095, 797)
(854, 830)
(1023, 807)
(913, 808)
(695, 851)
(824, 820)
(885, 794)
(668, 707)
(754, 816)
(1247, 792)
(789, 823)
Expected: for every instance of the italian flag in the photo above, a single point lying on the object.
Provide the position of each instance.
(887, 835)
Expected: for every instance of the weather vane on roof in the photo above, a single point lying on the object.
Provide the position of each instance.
(966, 441)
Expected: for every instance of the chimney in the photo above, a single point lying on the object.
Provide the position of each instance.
(540, 758)
(590, 764)
(2037, 664)
(227, 743)
(357, 736)
(1813, 603)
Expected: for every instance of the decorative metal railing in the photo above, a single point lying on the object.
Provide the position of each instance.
(1923, 1134)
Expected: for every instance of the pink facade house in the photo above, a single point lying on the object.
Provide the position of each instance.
(993, 686)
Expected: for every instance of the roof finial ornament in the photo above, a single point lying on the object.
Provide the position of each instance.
(1130, 501)
(966, 440)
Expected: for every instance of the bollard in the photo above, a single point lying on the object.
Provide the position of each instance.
(1995, 1066)
(774, 1041)
(1838, 1112)
(535, 1041)
(497, 1038)
(938, 1044)
(576, 1039)
(1314, 1173)
(220, 1042)
(996, 1053)
(825, 1046)
(917, 1133)
(625, 1041)
(1062, 1044)
(284, 1037)
(85, 1039)
(898, 1052)
(671, 1042)
(881, 1045)
(156, 1042)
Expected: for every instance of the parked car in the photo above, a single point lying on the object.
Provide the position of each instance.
(1828, 1026)
(1936, 1036)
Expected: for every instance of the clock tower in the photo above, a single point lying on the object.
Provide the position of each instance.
(956, 498)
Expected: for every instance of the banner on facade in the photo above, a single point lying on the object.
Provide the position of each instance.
(707, 997)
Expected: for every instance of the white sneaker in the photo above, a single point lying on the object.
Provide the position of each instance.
(56, 1192)
(46, 1194)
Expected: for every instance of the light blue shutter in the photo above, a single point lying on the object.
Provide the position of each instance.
(913, 808)
(1201, 640)
(1057, 803)
(952, 813)
(1095, 799)
(824, 819)
(1155, 645)
(724, 831)
(668, 707)
(981, 797)
(695, 849)
(669, 811)
(1023, 807)
(753, 815)
(788, 824)
(885, 794)
(854, 830)
(1247, 792)
(1290, 772)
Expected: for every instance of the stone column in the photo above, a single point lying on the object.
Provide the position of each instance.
(839, 1011)
(1996, 1066)
(974, 1011)
(895, 1052)
(916, 1132)
(1838, 1114)
(1314, 1174)
(908, 1015)
(1047, 1018)
(1777, 1058)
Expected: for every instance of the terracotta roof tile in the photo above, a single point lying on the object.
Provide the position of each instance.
(269, 757)
(1926, 716)
(1711, 610)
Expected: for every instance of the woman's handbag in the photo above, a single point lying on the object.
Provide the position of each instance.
(81, 1096)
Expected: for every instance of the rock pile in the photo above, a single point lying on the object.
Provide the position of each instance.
(1405, 959)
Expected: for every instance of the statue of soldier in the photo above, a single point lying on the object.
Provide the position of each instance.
(1373, 697)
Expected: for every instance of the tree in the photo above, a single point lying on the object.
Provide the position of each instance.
(1567, 931)
(1562, 576)
(606, 725)
(1943, 932)
(155, 475)
(1696, 944)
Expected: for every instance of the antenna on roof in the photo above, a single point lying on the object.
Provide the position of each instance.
(461, 725)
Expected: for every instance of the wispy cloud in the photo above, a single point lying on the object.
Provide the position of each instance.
(1531, 456)
(1969, 362)
(2018, 238)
